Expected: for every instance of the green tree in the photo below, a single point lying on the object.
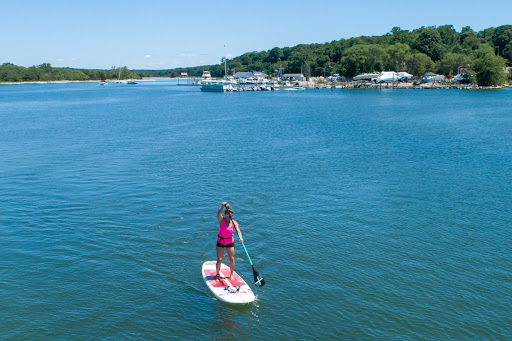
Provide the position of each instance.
(489, 68)
(9, 73)
(46, 67)
(449, 35)
(306, 70)
(418, 64)
(502, 39)
(296, 60)
(274, 55)
(397, 56)
(245, 59)
(502, 36)
(335, 50)
(487, 34)
(399, 35)
(466, 31)
(507, 53)
(451, 62)
(102, 75)
(363, 58)
(430, 43)
(31, 74)
(472, 42)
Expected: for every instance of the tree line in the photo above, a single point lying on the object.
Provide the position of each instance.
(45, 72)
(482, 56)
(443, 50)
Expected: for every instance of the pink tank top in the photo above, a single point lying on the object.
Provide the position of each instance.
(226, 233)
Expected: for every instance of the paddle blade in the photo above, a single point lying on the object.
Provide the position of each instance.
(258, 279)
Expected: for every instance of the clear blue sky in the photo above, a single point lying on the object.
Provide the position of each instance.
(162, 34)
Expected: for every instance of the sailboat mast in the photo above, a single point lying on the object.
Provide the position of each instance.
(225, 63)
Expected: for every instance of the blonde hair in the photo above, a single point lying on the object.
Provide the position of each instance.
(229, 210)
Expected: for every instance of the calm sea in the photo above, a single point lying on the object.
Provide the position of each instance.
(372, 215)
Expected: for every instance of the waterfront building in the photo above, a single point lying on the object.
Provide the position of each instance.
(299, 77)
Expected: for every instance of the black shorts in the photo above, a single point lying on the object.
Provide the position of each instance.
(227, 245)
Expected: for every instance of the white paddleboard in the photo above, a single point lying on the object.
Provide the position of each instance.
(235, 291)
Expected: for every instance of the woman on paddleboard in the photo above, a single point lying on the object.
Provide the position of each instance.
(225, 237)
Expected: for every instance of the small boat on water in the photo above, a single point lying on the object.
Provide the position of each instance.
(217, 86)
(131, 82)
(295, 87)
(206, 76)
(103, 82)
(119, 81)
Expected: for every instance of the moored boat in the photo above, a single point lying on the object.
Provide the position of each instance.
(217, 86)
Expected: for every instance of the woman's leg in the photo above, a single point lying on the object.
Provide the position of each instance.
(231, 256)
(220, 254)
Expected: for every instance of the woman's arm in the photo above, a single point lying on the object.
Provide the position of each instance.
(219, 214)
(239, 232)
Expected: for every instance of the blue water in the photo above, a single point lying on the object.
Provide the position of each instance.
(371, 214)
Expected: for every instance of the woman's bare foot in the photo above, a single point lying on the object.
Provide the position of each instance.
(232, 277)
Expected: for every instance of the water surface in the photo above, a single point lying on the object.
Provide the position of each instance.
(371, 214)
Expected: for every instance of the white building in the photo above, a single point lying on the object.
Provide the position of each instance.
(249, 75)
(294, 77)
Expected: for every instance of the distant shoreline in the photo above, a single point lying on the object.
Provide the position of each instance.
(399, 86)
(45, 82)
(87, 81)
(310, 84)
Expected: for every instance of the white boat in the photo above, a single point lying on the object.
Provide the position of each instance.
(432, 78)
(217, 86)
(366, 77)
(119, 81)
(299, 87)
(294, 88)
(404, 76)
(231, 79)
(387, 76)
(206, 76)
(103, 83)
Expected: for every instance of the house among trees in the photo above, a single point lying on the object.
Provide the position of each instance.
(508, 71)
(293, 77)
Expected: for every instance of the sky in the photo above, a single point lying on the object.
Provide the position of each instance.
(164, 34)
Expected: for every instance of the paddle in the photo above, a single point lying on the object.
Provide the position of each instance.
(258, 279)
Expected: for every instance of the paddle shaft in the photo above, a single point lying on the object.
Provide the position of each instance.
(247, 253)
(258, 279)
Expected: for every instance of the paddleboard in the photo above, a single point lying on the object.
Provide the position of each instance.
(226, 290)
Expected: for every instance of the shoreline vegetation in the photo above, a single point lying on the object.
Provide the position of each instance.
(322, 84)
(44, 73)
(476, 58)
(479, 57)
(70, 81)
